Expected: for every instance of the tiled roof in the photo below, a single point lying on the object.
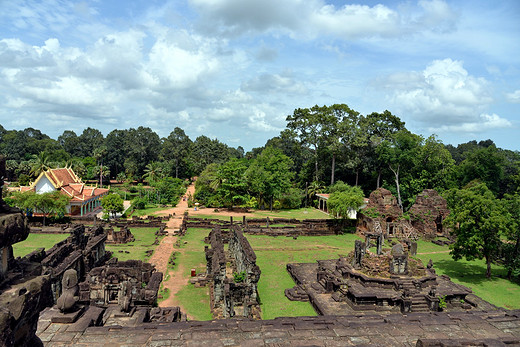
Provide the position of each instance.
(66, 181)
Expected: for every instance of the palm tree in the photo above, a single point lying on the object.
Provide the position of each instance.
(153, 171)
(40, 163)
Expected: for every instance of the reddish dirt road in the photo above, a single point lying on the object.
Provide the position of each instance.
(162, 253)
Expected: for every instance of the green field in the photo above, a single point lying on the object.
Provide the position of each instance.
(497, 290)
(195, 301)
(144, 239)
(35, 241)
(301, 213)
(272, 256)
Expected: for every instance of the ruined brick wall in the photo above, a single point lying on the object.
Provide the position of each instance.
(428, 213)
(230, 297)
(245, 262)
(131, 280)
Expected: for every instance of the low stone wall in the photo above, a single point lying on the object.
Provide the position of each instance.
(233, 292)
(264, 226)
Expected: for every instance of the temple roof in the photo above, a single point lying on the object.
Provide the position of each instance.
(68, 183)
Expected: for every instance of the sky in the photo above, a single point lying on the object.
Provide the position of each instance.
(235, 69)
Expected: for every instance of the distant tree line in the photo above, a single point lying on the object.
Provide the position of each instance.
(329, 149)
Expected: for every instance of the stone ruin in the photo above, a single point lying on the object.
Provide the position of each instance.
(232, 275)
(383, 216)
(386, 282)
(273, 226)
(428, 213)
(124, 235)
(29, 286)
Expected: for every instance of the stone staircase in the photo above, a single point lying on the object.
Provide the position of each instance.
(419, 303)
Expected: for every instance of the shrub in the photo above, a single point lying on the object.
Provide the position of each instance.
(239, 276)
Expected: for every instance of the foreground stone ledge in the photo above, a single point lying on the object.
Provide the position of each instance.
(480, 328)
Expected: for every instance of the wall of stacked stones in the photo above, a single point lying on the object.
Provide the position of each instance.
(263, 226)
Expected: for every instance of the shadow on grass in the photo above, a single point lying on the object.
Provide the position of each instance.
(470, 273)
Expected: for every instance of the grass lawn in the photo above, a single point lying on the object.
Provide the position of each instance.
(149, 210)
(300, 213)
(195, 301)
(272, 256)
(35, 241)
(497, 290)
(144, 239)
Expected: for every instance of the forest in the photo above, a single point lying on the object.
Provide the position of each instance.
(323, 149)
(319, 146)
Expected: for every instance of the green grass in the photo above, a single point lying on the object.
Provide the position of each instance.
(195, 301)
(35, 241)
(150, 210)
(272, 256)
(497, 290)
(300, 213)
(144, 239)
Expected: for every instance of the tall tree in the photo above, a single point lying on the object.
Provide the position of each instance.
(478, 220)
(269, 175)
(69, 141)
(89, 140)
(344, 198)
(313, 127)
(175, 148)
(399, 153)
(39, 164)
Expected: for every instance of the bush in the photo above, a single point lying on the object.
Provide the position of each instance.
(139, 203)
(239, 276)
(292, 198)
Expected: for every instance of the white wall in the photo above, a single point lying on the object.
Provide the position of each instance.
(44, 186)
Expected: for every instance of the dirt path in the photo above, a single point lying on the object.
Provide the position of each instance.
(164, 250)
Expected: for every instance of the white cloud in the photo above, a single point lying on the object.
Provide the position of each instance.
(311, 18)
(443, 93)
(258, 122)
(483, 123)
(275, 83)
(514, 97)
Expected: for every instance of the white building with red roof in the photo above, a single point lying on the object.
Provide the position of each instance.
(83, 199)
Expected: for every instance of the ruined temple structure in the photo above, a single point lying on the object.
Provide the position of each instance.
(389, 282)
(83, 250)
(24, 292)
(428, 213)
(124, 235)
(127, 283)
(383, 216)
(233, 287)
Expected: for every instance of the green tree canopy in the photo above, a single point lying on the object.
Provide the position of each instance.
(478, 220)
(112, 204)
(344, 199)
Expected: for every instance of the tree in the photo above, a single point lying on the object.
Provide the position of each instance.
(477, 219)
(46, 203)
(99, 153)
(270, 175)
(176, 148)
(153, 172)
(399, 153)
(143, 146)
(40, 163)
(69, 141)
(232, 186)
(344, 198)
(485, 164)
(88, 141)
(112, 203)
(314, 128)
(378, 127)
(512, 247)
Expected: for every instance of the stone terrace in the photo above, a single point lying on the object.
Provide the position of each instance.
(498, 328)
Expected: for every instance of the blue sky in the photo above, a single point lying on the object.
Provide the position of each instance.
(234, 69)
